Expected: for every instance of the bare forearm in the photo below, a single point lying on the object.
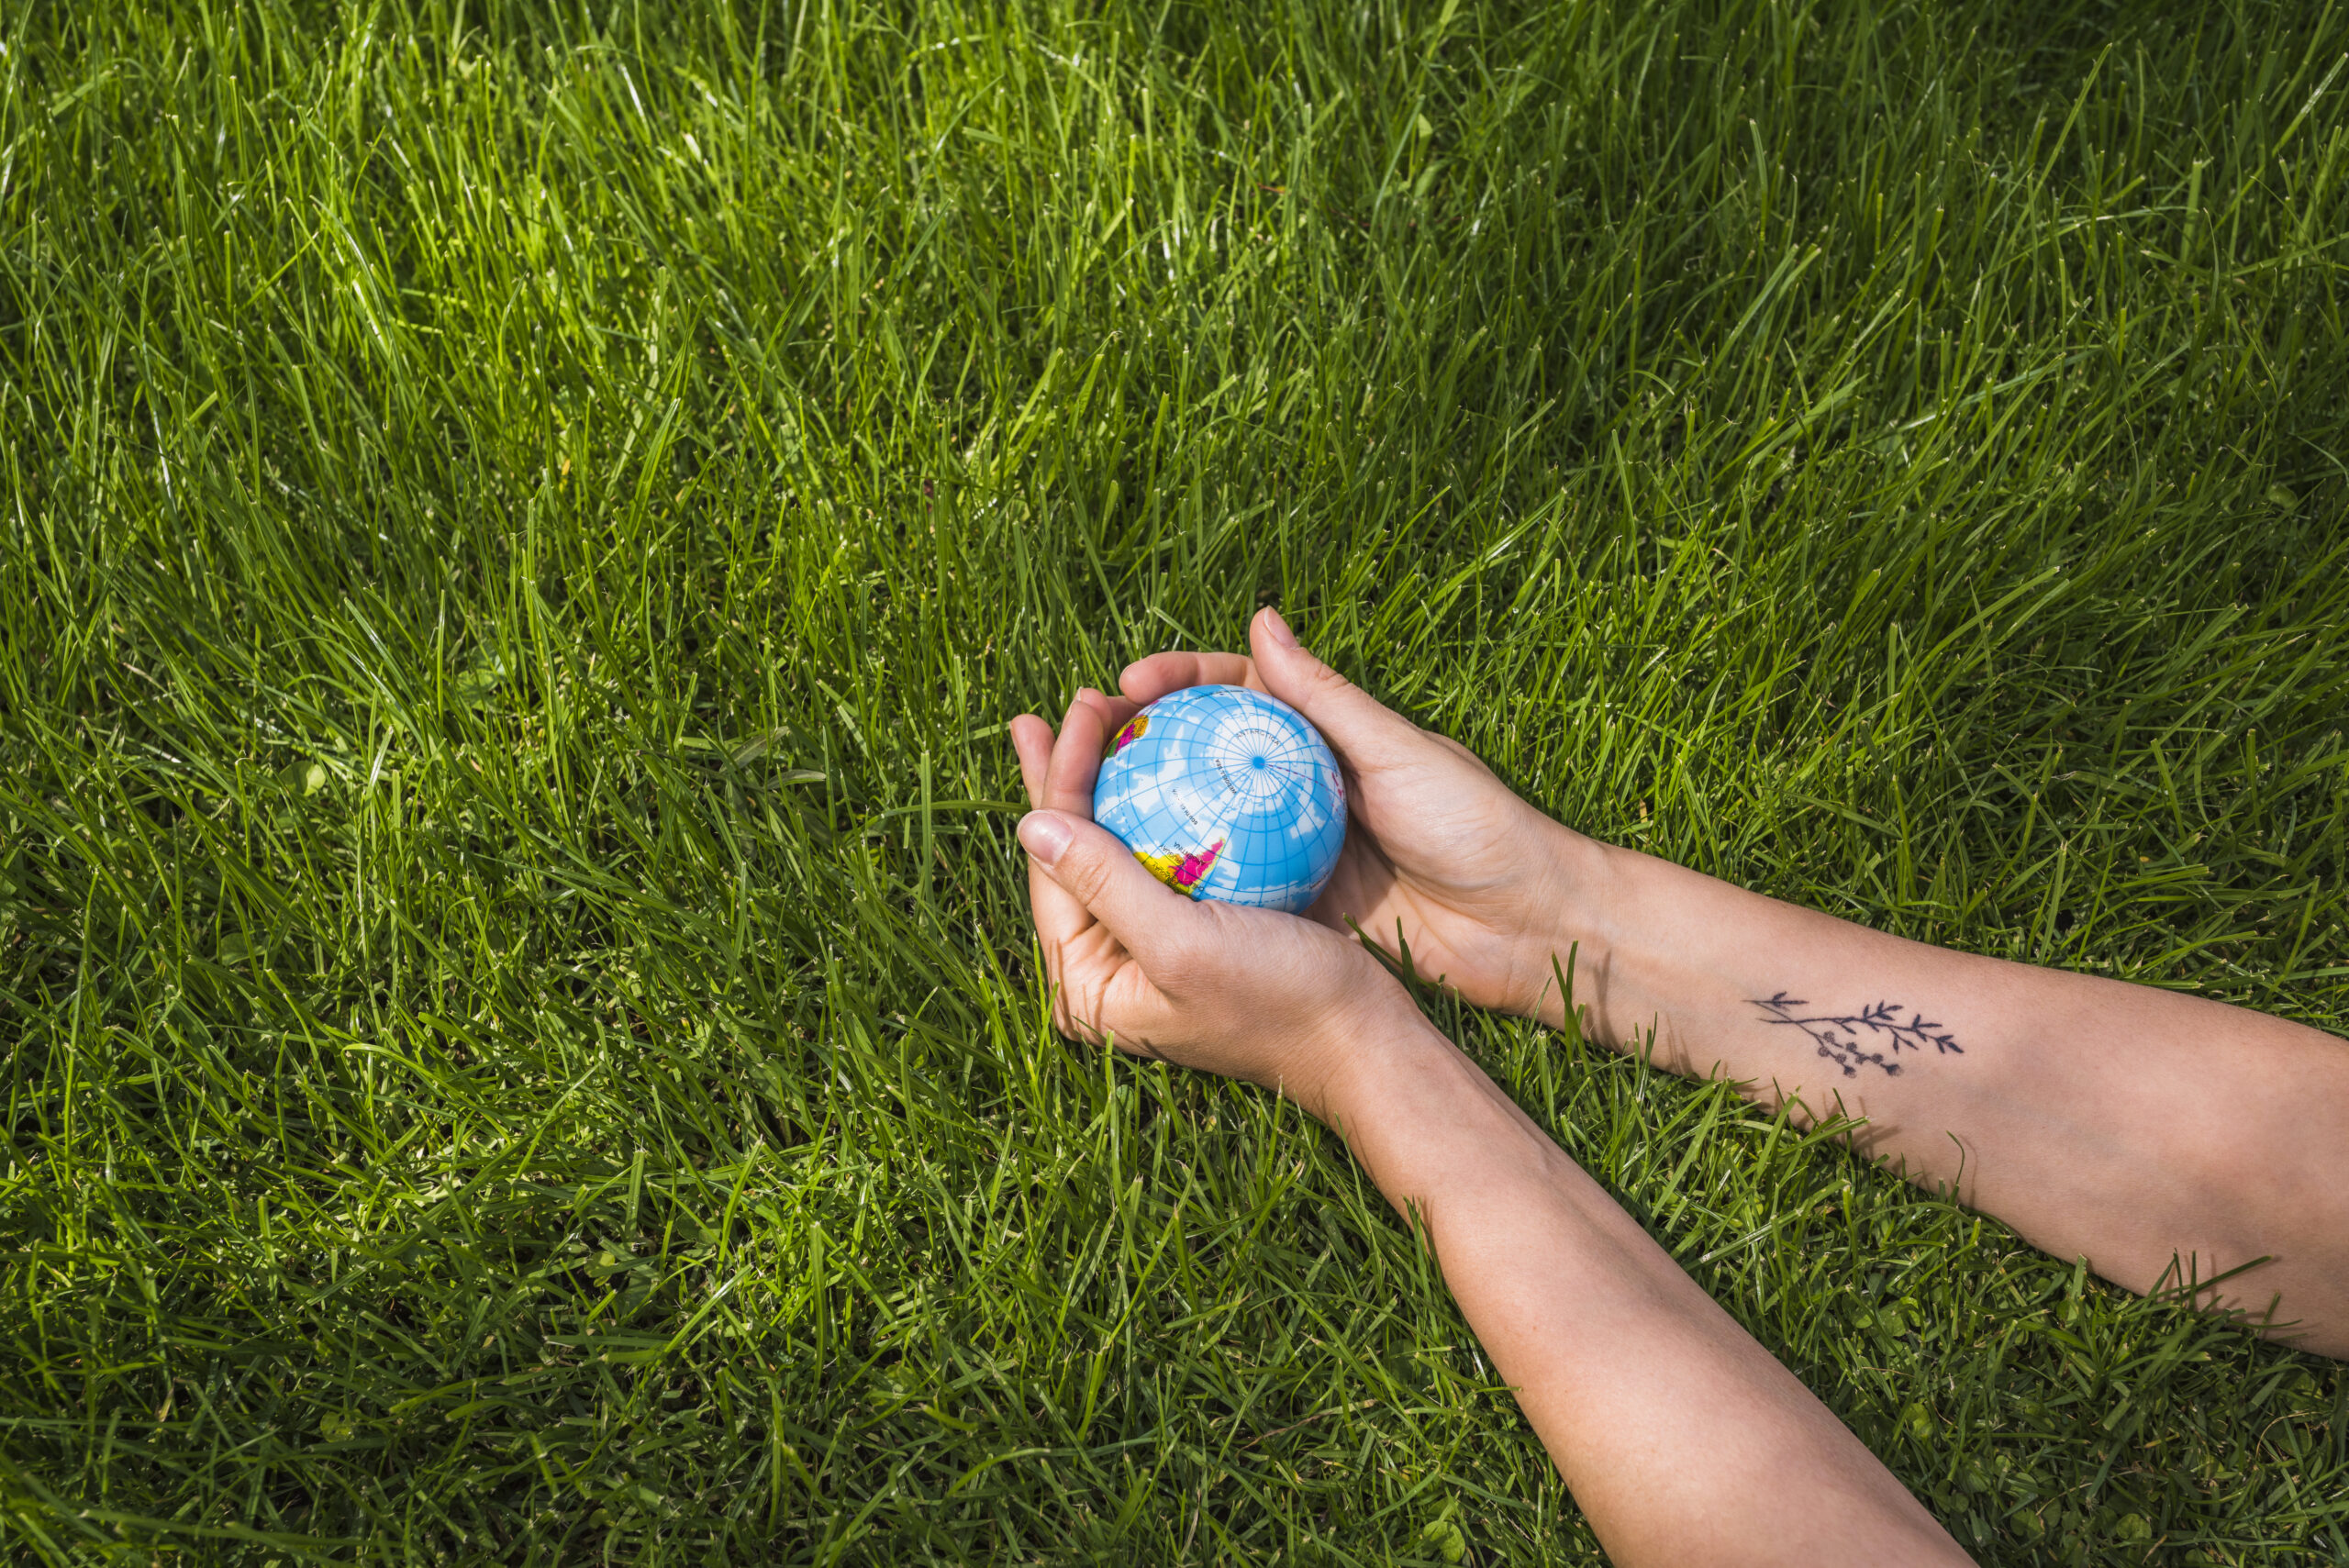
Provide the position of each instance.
(1683, 1440)
(2156, 1134)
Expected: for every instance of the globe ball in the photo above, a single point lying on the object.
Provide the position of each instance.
(1226, 794)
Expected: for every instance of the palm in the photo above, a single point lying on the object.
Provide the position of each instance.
(1244, 993)
(1105, 992)
(1435, 858)
(1433, 866)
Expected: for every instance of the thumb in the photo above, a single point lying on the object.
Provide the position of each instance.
(1147, 917)
(1361, 730)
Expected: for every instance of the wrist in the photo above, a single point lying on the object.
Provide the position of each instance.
(1361, 1046)
(1387, 1045)
(1571, 927)
(1448, 1148)
(1414, 1108)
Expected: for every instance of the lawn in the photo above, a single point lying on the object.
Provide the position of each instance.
(524, 527)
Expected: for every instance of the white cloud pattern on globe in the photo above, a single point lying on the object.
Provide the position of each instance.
(1226, 794)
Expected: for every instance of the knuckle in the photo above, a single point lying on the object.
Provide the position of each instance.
(1085, 872)
(1179, 957)
(1173, 970)
(1322, 680)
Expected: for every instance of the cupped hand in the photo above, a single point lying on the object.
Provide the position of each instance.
(1440, 858)
(1248, 994)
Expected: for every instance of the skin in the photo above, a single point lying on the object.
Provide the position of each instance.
(2162, 1138)
(2165, 1139)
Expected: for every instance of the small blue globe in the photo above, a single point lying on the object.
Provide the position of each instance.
(1227, 794)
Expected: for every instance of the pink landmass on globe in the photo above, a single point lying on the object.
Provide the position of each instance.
(1182, 872)
(1133, 729)
(1194, 869)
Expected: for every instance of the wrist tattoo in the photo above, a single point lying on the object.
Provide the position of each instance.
(1839, 1039)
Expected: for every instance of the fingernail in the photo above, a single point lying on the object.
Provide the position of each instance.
(1277, 629)
(1043, 835)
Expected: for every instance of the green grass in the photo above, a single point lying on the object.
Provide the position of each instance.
(524, 527)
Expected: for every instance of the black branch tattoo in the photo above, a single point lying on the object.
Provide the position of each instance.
(1838, 1038)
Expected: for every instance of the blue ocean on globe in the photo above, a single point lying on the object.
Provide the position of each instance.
(1226, 794)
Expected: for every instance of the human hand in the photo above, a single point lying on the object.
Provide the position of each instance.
(1246, 992)
(1439, 855)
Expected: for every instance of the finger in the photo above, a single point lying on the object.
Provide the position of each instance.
(1147, 680)
(1114, 710)
(1077, 756)
(1060, 918)
(1358, 727)
(1031, 741)
(1149, 919)
(1065, 784)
